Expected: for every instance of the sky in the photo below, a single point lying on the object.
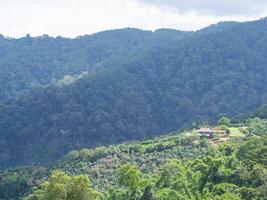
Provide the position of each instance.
(72, 18)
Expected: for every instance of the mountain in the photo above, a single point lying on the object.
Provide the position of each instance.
(31, 62)
(146, 83)
(183, 165)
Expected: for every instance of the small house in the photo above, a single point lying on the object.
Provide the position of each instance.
(206, 132)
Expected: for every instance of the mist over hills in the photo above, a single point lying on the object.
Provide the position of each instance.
(134, 84)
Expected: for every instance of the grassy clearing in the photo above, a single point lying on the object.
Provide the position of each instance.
(236, 132)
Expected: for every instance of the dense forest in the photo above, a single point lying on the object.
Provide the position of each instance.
(124, 85)
(257, 113)
(34, 62)
(179, 166)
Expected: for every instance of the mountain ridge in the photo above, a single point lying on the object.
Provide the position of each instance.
(158, 85)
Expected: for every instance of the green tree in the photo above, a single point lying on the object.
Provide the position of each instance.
(208, 170)
(130, 179)
(61, 186)
(175, 175)
(168, 194)
(115, 194)
(224, 121)
(227, 196)
(148, 194)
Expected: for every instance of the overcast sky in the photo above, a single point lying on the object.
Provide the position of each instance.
(70, 18)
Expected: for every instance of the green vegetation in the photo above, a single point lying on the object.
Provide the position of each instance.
(65, 104)
(224, 121)
(64, 187)
(258, 113)
(138, 84)
(32, 62)
(222, 174)
(237, 132)
(181, 166)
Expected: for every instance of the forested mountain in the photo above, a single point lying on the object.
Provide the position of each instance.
(31, 62)
(145, 84)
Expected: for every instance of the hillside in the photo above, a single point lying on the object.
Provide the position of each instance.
(234, 168)
(259, 113)
(163, 84)
(32, 62)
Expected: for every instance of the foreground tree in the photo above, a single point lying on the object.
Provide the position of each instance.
(130, 179)
(61, 186)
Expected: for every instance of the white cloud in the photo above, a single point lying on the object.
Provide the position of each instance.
(71, 18)
(213, 7)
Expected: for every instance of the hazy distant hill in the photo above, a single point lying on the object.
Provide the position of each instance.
(138, 84)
